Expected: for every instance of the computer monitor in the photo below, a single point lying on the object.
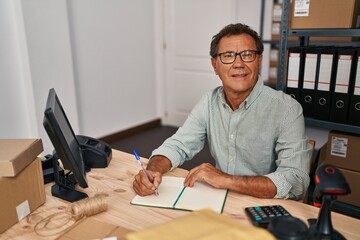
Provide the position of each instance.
(67, 149)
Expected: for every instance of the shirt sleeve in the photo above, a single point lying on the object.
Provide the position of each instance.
(189, 138)
(294, 150)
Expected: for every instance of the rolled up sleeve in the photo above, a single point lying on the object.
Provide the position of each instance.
(293, 164)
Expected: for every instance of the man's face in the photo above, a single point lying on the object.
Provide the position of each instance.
(238, 77)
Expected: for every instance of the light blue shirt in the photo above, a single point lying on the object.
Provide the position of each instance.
(265, 136)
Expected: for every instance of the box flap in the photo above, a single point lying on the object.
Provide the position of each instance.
(90, 228)
(16, 154)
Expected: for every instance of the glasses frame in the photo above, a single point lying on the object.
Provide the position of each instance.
(238, 54)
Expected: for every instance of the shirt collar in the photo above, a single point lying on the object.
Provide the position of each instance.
(250, 99)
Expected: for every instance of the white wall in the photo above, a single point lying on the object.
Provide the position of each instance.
(16, 97)
(97, 54)
(46, 27)
(113, 52)
(103, 57)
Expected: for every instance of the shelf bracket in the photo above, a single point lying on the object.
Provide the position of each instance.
(281, 73)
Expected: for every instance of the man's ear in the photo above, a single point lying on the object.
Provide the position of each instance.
(213, 63)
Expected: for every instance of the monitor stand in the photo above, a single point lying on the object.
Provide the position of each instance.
(64, 186)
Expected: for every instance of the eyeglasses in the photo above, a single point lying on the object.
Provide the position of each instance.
(246, 56)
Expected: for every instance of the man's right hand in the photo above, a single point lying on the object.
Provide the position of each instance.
(157, 166)
(142, 186)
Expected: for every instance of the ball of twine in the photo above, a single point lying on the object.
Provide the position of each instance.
(88, 207)
(59, 222)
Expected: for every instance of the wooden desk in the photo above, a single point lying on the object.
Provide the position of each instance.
(116, 180)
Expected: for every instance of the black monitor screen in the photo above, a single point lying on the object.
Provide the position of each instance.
(63, 138)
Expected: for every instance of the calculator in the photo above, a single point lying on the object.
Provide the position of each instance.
(262, 215)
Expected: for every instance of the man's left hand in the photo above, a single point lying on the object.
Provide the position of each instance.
(206, 173)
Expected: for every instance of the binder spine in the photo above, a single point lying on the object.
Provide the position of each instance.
(354, 106)
(295, 72)
(340, 100)
(311, 62)
(324, 84)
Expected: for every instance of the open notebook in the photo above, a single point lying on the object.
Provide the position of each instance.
(173, 194)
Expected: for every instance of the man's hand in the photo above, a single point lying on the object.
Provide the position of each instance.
(142, 186)
(257, 186)
(157, 166)
(207, 173)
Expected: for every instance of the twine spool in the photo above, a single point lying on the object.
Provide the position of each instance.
(58, 222)
(88, 207)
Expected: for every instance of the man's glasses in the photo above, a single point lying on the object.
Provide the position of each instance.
(246, 56)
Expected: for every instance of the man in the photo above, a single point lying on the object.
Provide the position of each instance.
(255, 134)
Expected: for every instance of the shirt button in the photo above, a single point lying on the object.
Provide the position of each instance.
(231, 136)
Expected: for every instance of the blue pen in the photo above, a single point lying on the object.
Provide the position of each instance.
(142, 167)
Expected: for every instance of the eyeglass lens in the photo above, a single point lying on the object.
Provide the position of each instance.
(246, 56)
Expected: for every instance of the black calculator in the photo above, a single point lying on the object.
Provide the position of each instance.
(262, 215)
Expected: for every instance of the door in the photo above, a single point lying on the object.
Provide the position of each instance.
(189, 28)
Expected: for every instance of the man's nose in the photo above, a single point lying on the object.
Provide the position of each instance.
(238, 61)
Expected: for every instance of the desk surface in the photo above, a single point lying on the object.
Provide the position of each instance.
(115, 182)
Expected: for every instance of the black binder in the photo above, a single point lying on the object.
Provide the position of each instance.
(325, 83)
(295, 72)
(341, 93)
(354, 106)
(311, 63)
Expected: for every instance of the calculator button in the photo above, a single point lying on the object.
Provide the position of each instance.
(263, 215)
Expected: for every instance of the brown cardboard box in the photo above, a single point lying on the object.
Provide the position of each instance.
(327, 14)
(22, 194)
(16, 154)
(353, 178)
(343, 151)
(90, 228)
(201, 224)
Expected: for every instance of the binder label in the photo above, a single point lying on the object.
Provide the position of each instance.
(310, 71)
(339, 146)
(293, 70)
(357, 80)
(326, 62)
(343, 74)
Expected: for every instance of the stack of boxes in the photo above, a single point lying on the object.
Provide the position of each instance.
(275, 36)
(342, 151)
(319, 14)
(21, 180)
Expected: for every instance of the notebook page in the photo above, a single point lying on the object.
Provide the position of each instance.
(169, 190)
(202, 195)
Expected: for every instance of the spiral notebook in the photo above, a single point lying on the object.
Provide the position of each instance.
(173, 194)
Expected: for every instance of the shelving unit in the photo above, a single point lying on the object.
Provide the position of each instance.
(304, 35)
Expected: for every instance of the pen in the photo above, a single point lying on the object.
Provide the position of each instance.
(142, 167)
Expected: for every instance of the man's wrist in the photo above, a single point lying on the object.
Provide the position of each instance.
(159, 163)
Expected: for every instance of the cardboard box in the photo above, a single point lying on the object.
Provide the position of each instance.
(201, 224)
(343, 151)
(90, 228)
(16, 154)
(325, 14)
(21, 195)
(353, 178)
